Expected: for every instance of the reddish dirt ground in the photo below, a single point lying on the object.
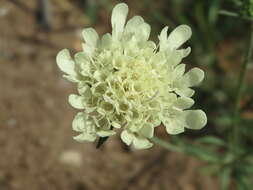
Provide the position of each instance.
(36, 147)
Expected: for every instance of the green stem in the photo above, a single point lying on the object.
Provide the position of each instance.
(233, 14)
(166, 145)
(239, 90)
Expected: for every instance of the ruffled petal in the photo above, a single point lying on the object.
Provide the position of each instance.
(103, 133)
(184, 91)
(193, 77)
(127, 137)
(106, 41)
(184, 103)
(133, 23)
(78, 123)
(82, 62)
(195, 119)
(143, 32)
(163, 38)
(184, 52)
(85, 137)
(179, 36)
(179, 70)
(173, 126)
(118, 20)
(147, 131)
(71, 78)
(76, 101)
(141, 143)
(65, 62)
(82, 124)
(91, 38)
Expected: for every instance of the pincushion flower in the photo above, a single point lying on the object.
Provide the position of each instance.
(126, 83)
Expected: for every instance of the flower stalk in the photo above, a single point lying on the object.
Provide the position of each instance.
(234, 14)
(166, 145)
(239, 90)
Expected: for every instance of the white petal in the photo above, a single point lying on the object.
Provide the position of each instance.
(76, 101)
(82, 59)
(118, 20)
(195, 119)
(85, 137)
(82, 63)
(106, 41)
(116, 125)
(193, 77)
(163, 37)
(142, 143)
(106, 133)
(91, 38)
(139, 28)
(71, 78)
(133, 24)
(127, 137)
(173, 126)
(179, 70)
(84, 90)
(184, 52)
(143, 32)
(184, 103)
(179, 36)
(65, 62)
(78, 123)
(147, 131)
(185, 92)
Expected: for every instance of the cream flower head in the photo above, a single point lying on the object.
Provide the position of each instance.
(126, 83)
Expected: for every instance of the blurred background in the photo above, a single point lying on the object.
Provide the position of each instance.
(36, 147)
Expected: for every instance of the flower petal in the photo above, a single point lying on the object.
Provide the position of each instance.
(76, 101)
(195, 119)
(143, 32)
(184, 52)
(179, 36)
(173, 126)
(70, 78)
(133, 23)
(91, 38)
(127, 137)
(184, 103)
(142, 143)
(118, 20)
(179, 70)
(65, 62)
(163, 37)
(106, 41)
(82, 62)
(85, 137)
(185, 92)
(78, 123)
(116, 125)
(103, 133)
(147, 131)
(193, 77)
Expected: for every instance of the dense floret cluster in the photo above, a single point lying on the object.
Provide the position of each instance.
(127, 83)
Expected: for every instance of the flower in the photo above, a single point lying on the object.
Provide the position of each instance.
(128, 83)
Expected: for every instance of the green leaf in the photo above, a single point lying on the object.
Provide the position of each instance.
(212, 140)
(202, 153)
(211, 169)
(225, 177)
(243, 183)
